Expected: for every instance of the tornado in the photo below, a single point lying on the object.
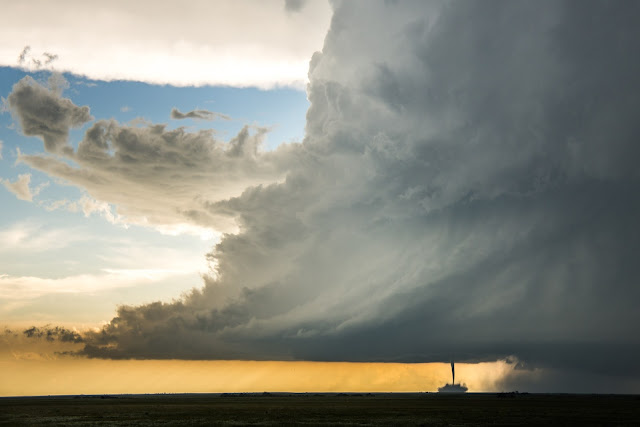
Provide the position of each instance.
(453, 373)
(453, 387)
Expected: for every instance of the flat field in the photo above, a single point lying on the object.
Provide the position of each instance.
(351, 409)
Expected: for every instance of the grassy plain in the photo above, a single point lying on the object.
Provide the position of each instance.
(352, 409)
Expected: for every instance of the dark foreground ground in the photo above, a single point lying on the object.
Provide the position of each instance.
(323, 409)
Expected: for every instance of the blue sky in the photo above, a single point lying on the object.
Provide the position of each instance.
(72, 244)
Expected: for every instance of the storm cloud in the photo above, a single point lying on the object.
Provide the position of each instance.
(53, 333)
(467, 185)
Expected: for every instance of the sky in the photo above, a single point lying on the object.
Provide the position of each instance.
(317, 196)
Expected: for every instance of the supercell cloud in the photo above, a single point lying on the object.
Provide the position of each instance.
(467, 186)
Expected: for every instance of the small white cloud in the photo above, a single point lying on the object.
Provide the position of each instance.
(85, 83)
(90, 206)
(125, 108)
(20, 187)
(55, 205)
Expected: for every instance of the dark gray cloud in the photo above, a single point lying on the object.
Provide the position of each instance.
(52, 334)
(42, 112)
(467, 185)
(568, 380)
(198, 114)
(23, 55)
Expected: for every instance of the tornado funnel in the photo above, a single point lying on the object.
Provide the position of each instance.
(453, 373)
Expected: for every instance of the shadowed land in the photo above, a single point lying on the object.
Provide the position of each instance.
(323, 409)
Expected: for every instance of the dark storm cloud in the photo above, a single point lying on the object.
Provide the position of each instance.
(197, 114)
(53, 333)
(42, 112)
(568, 380)
(467, 184)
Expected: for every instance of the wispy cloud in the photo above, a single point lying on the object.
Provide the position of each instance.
(30, 236)
(53, 333)
(28, 287)
(115, 262)
(198, 115)
(21, 187)
(23, 55)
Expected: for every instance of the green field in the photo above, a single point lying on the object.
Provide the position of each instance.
(323, 409)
